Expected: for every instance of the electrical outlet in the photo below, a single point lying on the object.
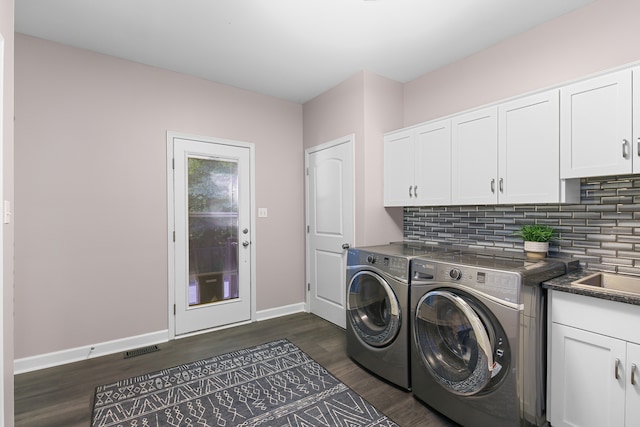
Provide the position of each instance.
(262, 212)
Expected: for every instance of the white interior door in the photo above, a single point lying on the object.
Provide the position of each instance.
(1, 231)
(330, 216)
(212, 223)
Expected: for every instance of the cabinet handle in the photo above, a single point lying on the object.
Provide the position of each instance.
(493, 185)
(638, 151)
(501, 186)
(410, 188)
(617, 370)
(633, 374)
(625, 149)
(415, 191)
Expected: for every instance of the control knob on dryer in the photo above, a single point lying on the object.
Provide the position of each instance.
(371, 259)
(455, 273)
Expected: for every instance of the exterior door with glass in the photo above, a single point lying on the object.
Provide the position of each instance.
(212, 223)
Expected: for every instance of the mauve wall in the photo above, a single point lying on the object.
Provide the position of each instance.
(91, 206)
(599, 36)
(366, 105)
(7, 347)
(383, 111)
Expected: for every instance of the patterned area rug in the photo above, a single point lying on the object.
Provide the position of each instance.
(274, 384)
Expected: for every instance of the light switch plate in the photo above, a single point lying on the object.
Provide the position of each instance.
(7, 212)
(262, 212)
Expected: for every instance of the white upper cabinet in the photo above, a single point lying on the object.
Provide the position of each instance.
(417, 166)
(596, 126)
(636, 120)
(474, 157)
(398, 168)
(532, 149)
(510, 154)
(529, 150)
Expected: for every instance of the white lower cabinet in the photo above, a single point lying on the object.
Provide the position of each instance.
(593, 370)
(632, 413)
(584, 389)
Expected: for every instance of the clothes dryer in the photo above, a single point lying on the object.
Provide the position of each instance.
(478, 338)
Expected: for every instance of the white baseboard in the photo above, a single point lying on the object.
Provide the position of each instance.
(281, 311)
(42, 361)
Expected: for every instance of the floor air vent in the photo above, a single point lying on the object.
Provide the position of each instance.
(141, 351)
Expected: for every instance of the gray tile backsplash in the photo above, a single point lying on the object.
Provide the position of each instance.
(602, 232)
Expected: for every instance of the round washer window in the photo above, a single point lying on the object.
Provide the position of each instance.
(454, 342)
(373, 309)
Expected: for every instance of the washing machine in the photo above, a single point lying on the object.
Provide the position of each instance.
(478, 337)
(378, 280)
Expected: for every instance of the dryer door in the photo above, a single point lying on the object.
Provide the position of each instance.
(373, 309)
(453, 342)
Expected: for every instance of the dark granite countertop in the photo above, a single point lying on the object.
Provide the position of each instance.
(563, 283)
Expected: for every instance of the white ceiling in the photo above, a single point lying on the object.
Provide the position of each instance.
(290, 49)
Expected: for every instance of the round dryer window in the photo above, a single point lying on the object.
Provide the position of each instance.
(454, 342)
(373, 309)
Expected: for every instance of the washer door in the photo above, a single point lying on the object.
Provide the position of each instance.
(454, 342)
(373, 309)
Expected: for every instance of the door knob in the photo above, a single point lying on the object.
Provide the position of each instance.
(245, 243)
(345, 246)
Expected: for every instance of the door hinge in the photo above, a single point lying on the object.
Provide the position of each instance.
(307, 171)
(307, 229)
(174, 236)
(173, 164)
(174, 309)
(308, 286)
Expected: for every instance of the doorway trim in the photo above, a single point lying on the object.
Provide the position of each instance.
(171, 255)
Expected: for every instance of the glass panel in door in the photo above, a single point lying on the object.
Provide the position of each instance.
(213, 230)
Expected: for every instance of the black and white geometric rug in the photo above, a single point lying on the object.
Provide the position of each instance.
(273, 384)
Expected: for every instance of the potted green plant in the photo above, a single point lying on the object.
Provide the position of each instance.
(536, 239)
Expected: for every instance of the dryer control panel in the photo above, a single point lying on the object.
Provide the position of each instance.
(498, 284)
(394, 265)
(503, 285)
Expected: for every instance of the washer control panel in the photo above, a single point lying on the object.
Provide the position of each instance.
(504, 285)
(500, 284)
(394, 265)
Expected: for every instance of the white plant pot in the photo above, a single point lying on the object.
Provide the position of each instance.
(536, 249)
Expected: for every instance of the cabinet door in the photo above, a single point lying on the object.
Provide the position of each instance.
(474, 157)
(529, 149)
(433, 164)
(584, 389)
(595, 137)
(632, 415)
(636, 120)
(398, 169)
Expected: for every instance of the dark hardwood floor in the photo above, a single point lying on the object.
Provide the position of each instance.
(62, 396)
